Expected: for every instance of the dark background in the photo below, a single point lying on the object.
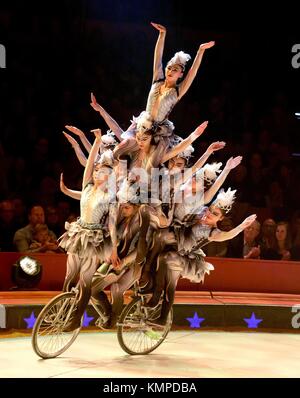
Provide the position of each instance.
(58, 52)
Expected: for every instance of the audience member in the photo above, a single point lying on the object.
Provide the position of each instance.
(24, 236)
(42, 241)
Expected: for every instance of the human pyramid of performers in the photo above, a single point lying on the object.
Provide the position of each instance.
(145, 211)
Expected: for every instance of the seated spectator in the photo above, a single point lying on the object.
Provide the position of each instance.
(24, 236)
(42, 241)
(283, 240)
(268, 241)
(246, 245)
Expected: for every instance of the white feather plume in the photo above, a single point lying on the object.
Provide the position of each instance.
(225, 199)
(109, 138)
(143, 122)
(180, 58)
(107, 158)
(211, 171)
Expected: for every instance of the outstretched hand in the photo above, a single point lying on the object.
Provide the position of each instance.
(205, 46)
(71, 140)
(159, 27)
(233, 162)
(74, 130)
(200, 129)
(216, 146)
(94, 104)
(248, 221)
(97, 133)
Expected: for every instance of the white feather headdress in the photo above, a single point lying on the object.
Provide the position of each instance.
(109, 139)
(225, 200)
(144, 121)
(106, 158)
(211, 171)
(180, 58)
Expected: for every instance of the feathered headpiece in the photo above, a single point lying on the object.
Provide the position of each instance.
(106, 158)
(109, 139)
(225, 200)
(210, 172)
(180, 58)
(128, 192)
(144, 121)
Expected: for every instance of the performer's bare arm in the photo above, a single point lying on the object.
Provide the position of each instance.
(231, 164)
(112, 124)
(158, 72)
(69, 192)
(185, 143)
(86, 143)
(185, 85)
(220, 236)
(215, 146)
(88, 171)
(80, 155)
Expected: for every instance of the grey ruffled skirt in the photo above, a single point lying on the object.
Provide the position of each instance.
(85, 240)
(191, 266)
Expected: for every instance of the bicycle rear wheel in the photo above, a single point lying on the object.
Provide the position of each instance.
(48, 337)
(137, 332)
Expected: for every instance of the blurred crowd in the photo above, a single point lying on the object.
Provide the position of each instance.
(53, 66)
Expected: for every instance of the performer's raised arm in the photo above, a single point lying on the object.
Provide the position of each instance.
(86, 143)
(185, 143)
(188, 80)
(69, 192)
(88, 171)
(80, 155)
(220, 236)
(230, 165)
(158, 72)
(112, 124)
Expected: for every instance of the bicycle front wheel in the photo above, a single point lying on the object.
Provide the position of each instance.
(48, 336)
(137, 332)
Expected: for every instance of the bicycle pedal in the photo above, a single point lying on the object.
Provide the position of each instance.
(101, 321)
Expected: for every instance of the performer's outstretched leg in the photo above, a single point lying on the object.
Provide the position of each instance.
(169, 296)
(73, 268)
(160, 281)
(88, 268)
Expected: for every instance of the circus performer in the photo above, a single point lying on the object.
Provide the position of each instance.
(128, 231)
(84, 239)
(183, 209)
(165, 90)
(188, 261)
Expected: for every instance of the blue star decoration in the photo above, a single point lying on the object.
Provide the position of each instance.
(86, 319)
(30, 321)
(195, 321)
(252, 322)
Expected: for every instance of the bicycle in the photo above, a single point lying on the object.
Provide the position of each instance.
(136, 329)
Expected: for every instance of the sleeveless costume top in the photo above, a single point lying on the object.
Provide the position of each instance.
(167, 100)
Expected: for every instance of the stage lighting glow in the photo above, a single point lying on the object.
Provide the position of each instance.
(26, 273)
(29, 265)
